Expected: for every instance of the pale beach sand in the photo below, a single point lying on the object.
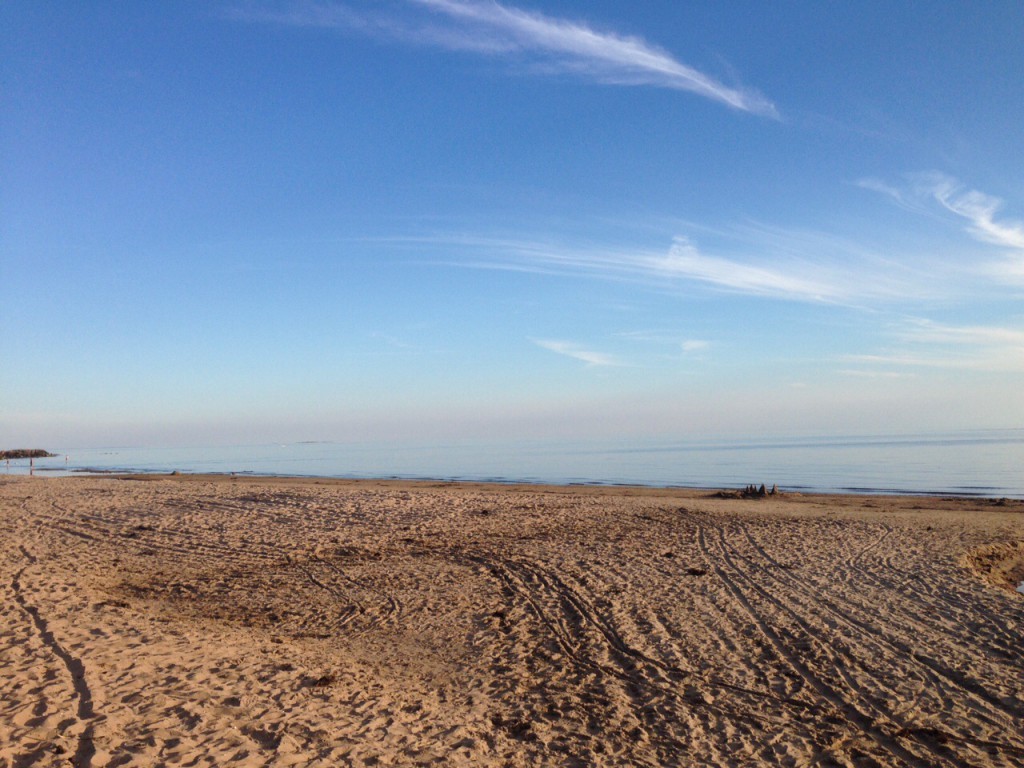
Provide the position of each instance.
(201, 621)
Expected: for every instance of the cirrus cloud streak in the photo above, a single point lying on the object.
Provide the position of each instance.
(938, 194)
(576, 352)
(541, 42)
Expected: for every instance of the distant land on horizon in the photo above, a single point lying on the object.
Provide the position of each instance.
(26, 453)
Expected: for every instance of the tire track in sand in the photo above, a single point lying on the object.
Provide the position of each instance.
(731, 577)
(581, 629)
(986, 705)
(76, 669)
(870, 635)
(999, 639)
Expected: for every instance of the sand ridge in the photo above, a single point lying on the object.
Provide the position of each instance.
(214, 620)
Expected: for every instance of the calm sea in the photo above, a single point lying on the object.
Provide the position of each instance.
(976, 463)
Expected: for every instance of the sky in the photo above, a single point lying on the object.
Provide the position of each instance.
(414, 220)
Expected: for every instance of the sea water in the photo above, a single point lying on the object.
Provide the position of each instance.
(976, 463)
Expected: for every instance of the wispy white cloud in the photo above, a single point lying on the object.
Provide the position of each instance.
(980, 211)
(695, 345)
(926, 344)
(542, 42)
(863, 374)
(685, 261)
(577, 352)
(804, 277)
(977, 361)
(926, 331)
(894, 194)
(674, 341)
(934, 193)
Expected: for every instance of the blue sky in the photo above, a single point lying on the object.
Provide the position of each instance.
(444, 219)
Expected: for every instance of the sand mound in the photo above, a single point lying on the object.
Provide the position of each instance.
(1001, 565)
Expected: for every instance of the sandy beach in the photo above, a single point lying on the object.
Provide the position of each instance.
(208, 621)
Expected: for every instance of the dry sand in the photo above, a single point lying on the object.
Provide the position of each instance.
(212, 621)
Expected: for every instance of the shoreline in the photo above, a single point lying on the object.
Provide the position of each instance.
(44, 472)
(211, 619)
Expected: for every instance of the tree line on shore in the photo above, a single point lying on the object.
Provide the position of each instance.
(26, 453)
